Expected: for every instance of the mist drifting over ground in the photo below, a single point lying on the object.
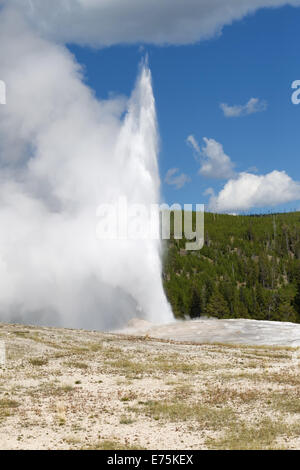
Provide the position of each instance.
(62, 153)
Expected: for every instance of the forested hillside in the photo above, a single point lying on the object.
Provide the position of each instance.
(249, 267)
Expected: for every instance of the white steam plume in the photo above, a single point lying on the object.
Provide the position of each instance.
(62, 153)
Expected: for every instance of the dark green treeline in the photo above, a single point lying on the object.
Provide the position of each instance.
(249, 267)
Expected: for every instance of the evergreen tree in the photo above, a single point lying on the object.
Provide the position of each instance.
(217, 306)
(286, 312)
(195, 306)
(296, 301)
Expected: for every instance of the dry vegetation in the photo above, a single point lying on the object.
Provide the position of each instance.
(67, 389)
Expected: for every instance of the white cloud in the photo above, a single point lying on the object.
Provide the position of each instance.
(212, 158)
(252, 169)
(215, 163)
(254, 105)
(174, 179)
(107, 22)
(248, 191)
(192, 142)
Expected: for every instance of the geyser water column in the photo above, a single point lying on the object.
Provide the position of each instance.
(63, 152)
(137, 152)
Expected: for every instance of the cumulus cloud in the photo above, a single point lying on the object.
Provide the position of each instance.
(192, 142)
(214, 163)
(107, 22)
(249, 190)
(177, 180)
(254, 105)
(245, 190)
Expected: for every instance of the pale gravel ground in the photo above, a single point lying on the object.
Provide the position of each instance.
(121, 376)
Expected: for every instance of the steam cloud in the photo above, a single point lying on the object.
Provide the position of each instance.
(62, 153)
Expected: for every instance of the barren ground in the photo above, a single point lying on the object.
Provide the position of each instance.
(71, 389)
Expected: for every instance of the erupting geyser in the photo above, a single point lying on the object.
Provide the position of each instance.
(63, 152)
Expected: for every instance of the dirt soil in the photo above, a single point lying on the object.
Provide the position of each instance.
(74, 389)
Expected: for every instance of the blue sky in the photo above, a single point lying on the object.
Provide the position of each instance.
(257, 57)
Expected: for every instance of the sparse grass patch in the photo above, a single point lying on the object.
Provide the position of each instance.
(76, 350)
(77, 365)
(130, 396)
(257, 364)
(67, 388)
(172, 382)
(113, 352)
(206, 416)
(126, 420)
(50, 389)
(72, 441)
(168, 366)
(220, 395)
(284, 377)
(266, 355)
(41, 340)
(7, 407)
(96, 347)
(286, 402)
(126, 366)
(21, 333)
(7, 403)
(243, 436)
(38, 361)
(108, 444)
(183, 391)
